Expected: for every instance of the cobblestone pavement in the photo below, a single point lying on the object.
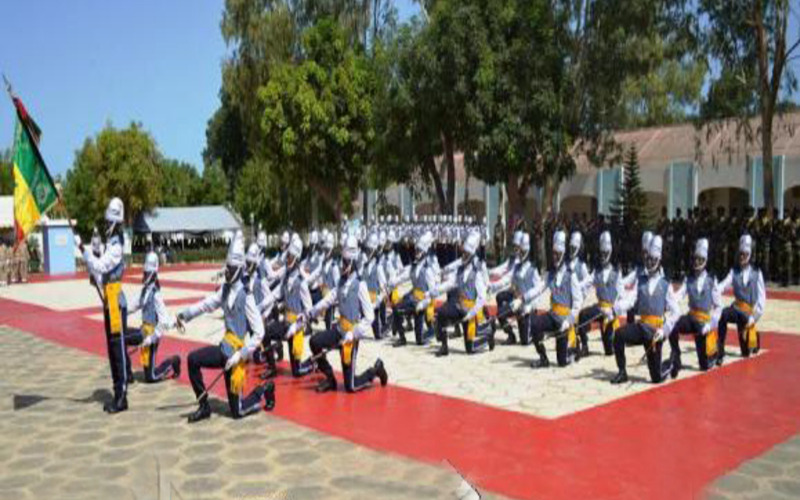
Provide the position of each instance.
(56, 442)
(773, 475)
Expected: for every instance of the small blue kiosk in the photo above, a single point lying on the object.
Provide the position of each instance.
(59, 247)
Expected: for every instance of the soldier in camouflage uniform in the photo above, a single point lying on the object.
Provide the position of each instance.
(785, 233)
(4, 264)
(763, 237)
(795, 247)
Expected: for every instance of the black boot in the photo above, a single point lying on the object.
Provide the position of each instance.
(269, 396)
(492, 331)
(116, 406)
(279, 350)
(176, 367)
(676, 367)
(401, 341)
(620, 378)
(443, 351)
(380, 371)
(584, 351)
(327, 385)
(542, 362)
(201, 413)
(512, 339)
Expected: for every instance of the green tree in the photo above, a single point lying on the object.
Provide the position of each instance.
(317, 122)
(116, 162)
(750, 41)
(6, 173)
(214, 188)
(181, 185)
(631, 205)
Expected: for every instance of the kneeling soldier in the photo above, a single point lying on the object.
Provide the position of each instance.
(235, 297)
(470, 281)
(155, 320)
(655, 301)
(701, 322)
(750, 297)
(356, 313)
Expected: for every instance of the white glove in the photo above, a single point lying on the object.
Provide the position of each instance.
(470, 314)
(750, 321)
(149, 341)
(348, 337)
(564, 326)
(233, 360)
(78, 241)
(292, 330)
(706, 329)
(421, 305)
(608, 313)
(659, 336)
(516, 304)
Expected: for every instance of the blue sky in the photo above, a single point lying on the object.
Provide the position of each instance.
(80, 64)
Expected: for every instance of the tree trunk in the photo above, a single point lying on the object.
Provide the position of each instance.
(767, 102)
(328, 194)
(450, 162)
(766, 158)
(517, 188)
(430, 167)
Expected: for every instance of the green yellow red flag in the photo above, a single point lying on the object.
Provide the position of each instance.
(34, 189)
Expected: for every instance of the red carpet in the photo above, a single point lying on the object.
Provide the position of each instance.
(669, 442)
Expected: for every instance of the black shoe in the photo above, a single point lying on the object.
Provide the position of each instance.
(116, 406)
(201, 413)
(269, 396)
(176, 367)
(511, 340)
(620, 378)
(380, 370)
(676, 368)
(443, 351)
(400, 342)
(491, 338)
(269, 373)
(720, 359)
(327, 385)
(584, 352)
(540, 363)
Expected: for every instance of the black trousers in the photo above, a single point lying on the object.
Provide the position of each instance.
(118, 360)
(275, 332)
(152, 373)
(732, 315)
(408, 307)
(638, 334)
(451, 313)
(331, 339)
(523, 321)
(543, 324)
(688, 325)
(213, 357)
(606, 327)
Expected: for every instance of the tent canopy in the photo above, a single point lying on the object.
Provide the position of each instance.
(207, 219)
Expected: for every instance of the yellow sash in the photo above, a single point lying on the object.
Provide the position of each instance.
(144, 352)
(472, 325)
(654, 321)
(750, 332)
(112, 291)
(345, 326)
(373, 296)
(298, 339)
(559, 309)
(395, 297)
(238, 371)
(603, 321)
(700, 315)
(429, 311)
(712, 342)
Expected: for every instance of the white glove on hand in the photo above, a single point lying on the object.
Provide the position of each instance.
(706, 329)
(750, 321)
(564, 326)
(292, 330)
(349, 337)
(422, 304)
(516, 304)
(659, 336)
(470, 314)
(149, 341)
(608, 313)
(233, 360)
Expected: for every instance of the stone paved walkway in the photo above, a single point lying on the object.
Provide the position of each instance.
(773, 475)
(56, 442)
